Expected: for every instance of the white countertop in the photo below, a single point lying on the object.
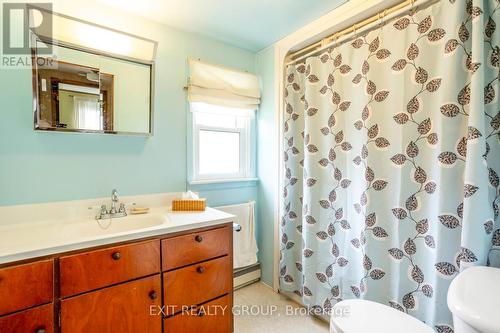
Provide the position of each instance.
(20, 241)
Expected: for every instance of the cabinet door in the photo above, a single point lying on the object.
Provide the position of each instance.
(212, 317)
(26, 286)
(196, 247)
(92, 270)
(130, 307)
(36, 320)
(198, 283)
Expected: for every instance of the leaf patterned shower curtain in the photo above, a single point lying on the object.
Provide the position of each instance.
(392, 162)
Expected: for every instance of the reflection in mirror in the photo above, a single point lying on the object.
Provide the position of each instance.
(83, 91)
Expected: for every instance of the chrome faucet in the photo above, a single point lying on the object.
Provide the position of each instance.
(114, 201)
(113, 212)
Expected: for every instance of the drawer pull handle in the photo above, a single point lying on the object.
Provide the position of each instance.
(200, 269)
(116, 256)
(40, 330)
(198, 238)
(153, 295)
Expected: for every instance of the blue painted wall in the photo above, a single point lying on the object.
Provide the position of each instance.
(44, 167)
(266, 168)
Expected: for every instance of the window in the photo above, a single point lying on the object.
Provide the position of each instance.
(87, 112)
(221, 142)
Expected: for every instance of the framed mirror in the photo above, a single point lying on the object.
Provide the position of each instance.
(79, 88)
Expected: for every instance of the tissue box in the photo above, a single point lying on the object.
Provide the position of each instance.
(188, 205)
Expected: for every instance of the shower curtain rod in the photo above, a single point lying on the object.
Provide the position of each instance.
(360, 27)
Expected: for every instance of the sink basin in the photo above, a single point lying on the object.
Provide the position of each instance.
(26, 237)
(118, 225)
(474, 300)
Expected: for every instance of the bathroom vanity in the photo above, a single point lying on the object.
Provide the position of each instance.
(172, 281)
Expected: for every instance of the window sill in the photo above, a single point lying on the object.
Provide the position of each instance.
(222, 181)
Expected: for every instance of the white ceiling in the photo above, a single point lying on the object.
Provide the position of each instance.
(249, 24)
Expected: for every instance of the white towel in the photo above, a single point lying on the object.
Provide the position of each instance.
(244, 243)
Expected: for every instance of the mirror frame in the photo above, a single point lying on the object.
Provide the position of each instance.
(35, 86)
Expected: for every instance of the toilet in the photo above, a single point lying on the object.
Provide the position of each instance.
(361, 316)
(474, 300)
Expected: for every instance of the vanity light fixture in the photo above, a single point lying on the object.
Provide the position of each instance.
(71, 31)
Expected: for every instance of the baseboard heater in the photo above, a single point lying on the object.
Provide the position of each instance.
(245, 276)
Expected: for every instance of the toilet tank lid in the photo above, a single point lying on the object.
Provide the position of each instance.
(474, 297)
(367, 316)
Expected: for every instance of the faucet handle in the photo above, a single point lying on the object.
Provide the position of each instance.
(102, 213)
(122, 208)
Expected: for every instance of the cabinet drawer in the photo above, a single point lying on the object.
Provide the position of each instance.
(36, 320)
(212, 317)
(189, 249)
(25, 286)
(96, 269)
(197, 283)
(124, 308)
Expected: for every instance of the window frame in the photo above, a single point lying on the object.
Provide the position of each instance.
(245, 148)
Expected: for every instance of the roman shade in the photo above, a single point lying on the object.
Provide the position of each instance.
(221, 86)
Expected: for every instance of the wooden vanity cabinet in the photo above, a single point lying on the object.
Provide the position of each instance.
(124, 287)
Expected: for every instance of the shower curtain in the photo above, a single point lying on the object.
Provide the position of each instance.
(392, 162)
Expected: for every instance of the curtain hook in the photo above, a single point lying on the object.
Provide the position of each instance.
(332, 38)
(336, 37)
(331, 41)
